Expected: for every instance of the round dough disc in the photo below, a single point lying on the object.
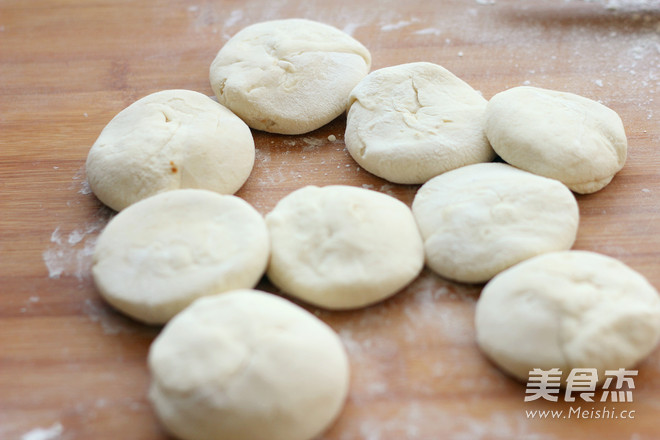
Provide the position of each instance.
(169, 140)
(559, 135)
(481, 219)
(247, 365)
(411, 122)
(288, 76)
(342, 247)
(569, 309)
(158, 255)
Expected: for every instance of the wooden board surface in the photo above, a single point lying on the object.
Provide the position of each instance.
(72, 368)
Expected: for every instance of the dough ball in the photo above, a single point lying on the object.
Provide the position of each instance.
(569, 309)
(158, 255)
(247, 365)
(288, 76)
(411, 122)
(481, 219)
(559, 135)
(169, 140)
(342, 247)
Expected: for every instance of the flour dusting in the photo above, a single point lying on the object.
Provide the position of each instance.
(70, 252)
(262, 155)
(400, 24)
(350, 28)
(429, 31)
(51, 433)
(111, 322)
(626, 4)
(311, 143)
(387, 189)
(234, 18)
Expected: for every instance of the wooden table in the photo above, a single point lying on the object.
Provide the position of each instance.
(72, 368)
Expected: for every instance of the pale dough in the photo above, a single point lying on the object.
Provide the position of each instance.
(556, 134)
(288, 76)
(481, 219)
(411, 122)
(342, 247)
(169, 140)
(565, 310)
(158, 255)
(247, 365)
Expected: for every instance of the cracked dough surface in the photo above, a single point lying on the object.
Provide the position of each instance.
(411, 122)
(481, 219)
(342, 247)
(169, 140)
(158, 255)
(566, 310)
(247, 365)
(567, 137)
(288, 76)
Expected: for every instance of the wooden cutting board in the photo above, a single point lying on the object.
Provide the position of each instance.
(72, 368)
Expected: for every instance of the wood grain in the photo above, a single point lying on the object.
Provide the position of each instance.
(73, 366)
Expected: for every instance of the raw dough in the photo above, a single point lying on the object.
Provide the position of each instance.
(247, 365)
(288, 76)
(559, 135)
(481, 219)
(158, 255)
(169, 140)
(411, 122)
(342, 247)
(566, 310)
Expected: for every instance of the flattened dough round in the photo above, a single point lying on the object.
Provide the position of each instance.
(570, 309)
(411, 122)
(342, 247)
(481, 219)
(288, 76)
(158, 255)
(559, 135)
(247, 365)
(169, 140)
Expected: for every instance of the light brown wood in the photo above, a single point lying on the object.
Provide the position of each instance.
(71, 365)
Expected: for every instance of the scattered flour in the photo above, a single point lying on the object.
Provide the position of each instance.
(262, 155)
(311, 143)
(407, 422)
(381, 363)
(111, 322)
(52, 433)
(429, 31)
(626, 4)
(80, 182)
(70, 252)
(387, 189)
(85, 189)
(350, 28)
(400, 24)
(234, 18)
